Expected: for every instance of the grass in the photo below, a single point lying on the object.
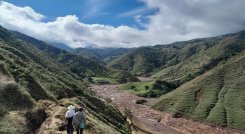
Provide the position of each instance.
(101, 117)
(34, 72)
(217, 96)
(139, 88)
(149, 88)
(12, 97)
(106, 79)
(13, 123)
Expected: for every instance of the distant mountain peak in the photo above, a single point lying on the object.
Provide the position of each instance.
(60, 46)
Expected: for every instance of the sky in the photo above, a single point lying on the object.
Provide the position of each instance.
(122, 23)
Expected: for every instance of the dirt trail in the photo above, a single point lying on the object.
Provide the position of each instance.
(154, 121)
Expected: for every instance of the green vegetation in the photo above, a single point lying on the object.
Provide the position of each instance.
(31, 71)
(12, 97)
(149, 88)
(201, 79)
(125, 76)
(139, 61)
(216, 96)
(101, 54)
(101, 117)
(104, 80)
(145, 60)
(77, 64)
(208, 74)
(143, 89)
(114, 77)
(213, 84)
(137, 87)
(13, 123)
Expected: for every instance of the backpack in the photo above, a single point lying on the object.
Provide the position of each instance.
(81, 125)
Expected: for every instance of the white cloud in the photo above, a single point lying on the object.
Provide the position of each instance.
(176, 20)
(187, 19)
(134, 12)
(66, 29)
(94, 8)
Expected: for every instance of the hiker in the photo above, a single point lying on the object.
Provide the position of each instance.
(79, 121)
(69, 117)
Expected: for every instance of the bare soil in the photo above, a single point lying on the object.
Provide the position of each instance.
(145, 78)
(150, 121)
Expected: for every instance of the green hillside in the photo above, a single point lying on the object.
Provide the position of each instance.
(214, 84)
(204, 60)
(217, 96)
(32, 72)
(145, 60)
(87, 53)
(102, 54)
(182, 61)
(77, 64)
(201, 79)
(208, 73)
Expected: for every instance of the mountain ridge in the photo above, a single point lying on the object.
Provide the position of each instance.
(209, 73)
(32, 77)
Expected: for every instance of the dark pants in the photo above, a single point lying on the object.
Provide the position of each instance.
(69, 128)
(79, 130)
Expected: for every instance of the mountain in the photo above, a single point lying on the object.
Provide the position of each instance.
(209, 73)
(88, 53)
(216, 96)
(77, 64)
(60, 46)
(214, 82)
(210, 56)
(145, 60)
(37, 80)
(104, 54)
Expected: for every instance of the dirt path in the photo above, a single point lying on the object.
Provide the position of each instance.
(153, 121)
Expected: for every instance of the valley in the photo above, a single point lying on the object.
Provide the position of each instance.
(130, 66)
(149, 121)
(190, 87)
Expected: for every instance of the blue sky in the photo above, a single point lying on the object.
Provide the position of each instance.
(109, 12)
(122, 23)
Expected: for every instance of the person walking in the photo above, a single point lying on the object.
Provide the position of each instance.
(69, 117)
(79, 121)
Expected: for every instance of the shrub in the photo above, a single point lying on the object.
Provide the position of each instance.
(132, 87)
(125, 77)
(164, 86)
(141, 101)
(149, 94)
(147, 87)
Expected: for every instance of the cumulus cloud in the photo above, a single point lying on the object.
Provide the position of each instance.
(186, 19)
(175, 20)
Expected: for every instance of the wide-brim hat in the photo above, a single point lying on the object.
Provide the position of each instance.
(71, 107)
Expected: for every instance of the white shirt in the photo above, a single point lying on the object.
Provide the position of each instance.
(70, 113)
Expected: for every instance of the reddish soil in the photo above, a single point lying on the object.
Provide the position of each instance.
(153, 121)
